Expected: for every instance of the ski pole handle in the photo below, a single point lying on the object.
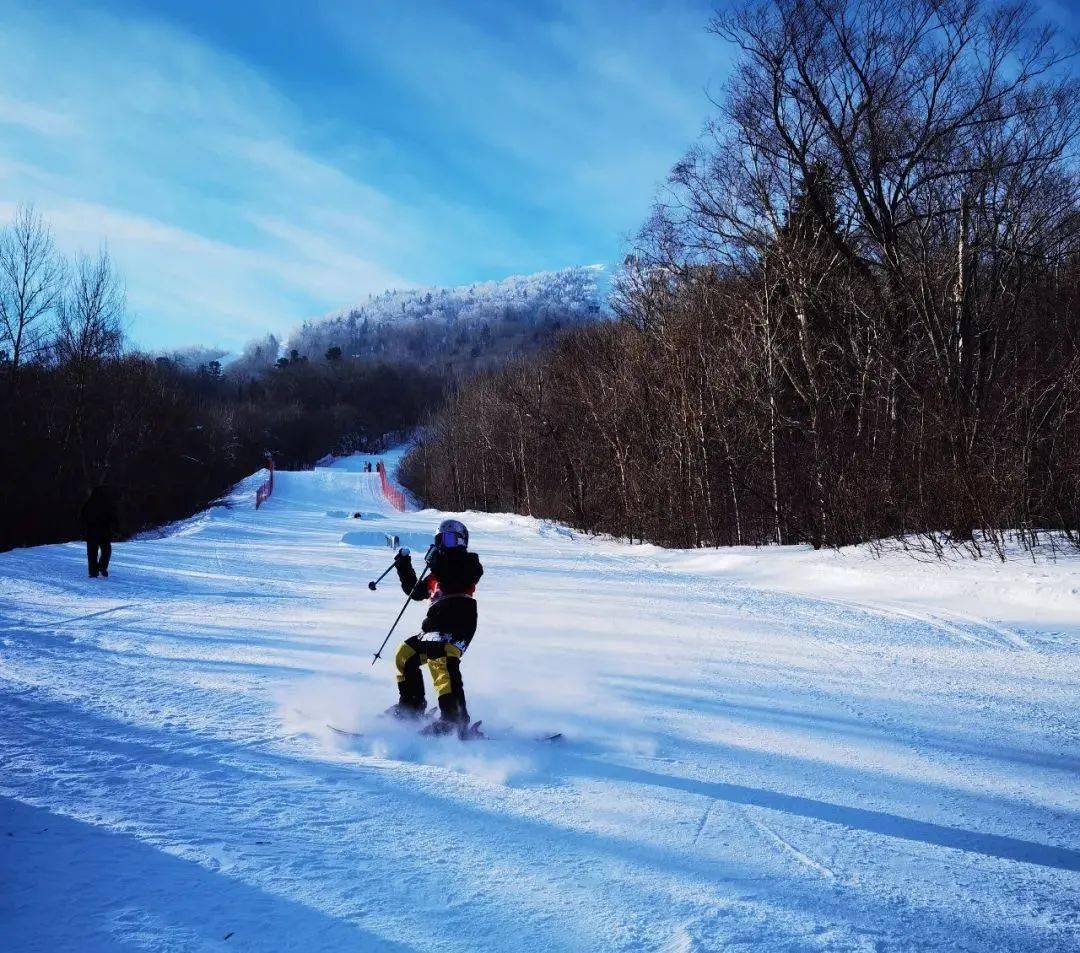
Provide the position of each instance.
(374, 584)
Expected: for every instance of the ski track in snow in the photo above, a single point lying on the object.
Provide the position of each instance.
(772, 750)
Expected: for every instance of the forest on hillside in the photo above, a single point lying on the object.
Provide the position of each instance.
(171, 435)
(853, 315)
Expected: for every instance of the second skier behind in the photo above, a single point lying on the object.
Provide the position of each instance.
(99, 517)
(446, 631)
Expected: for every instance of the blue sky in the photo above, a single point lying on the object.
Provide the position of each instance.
(252, 165)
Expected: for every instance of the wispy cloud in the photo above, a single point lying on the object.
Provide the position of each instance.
(178, 157)
(573, 110)
(35, 118)
(241, 193)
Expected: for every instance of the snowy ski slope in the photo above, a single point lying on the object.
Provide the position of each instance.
(765, 750)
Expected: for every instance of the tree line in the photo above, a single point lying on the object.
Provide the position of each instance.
(169, 435)
(852, 315)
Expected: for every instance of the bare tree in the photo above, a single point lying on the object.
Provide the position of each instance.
(91, 313)
(31, 284)
(904, 167)
(852, 316)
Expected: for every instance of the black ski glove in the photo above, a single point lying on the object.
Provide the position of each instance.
(407, 575)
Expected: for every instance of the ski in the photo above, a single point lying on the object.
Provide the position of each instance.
(473, 734)
(544, 739)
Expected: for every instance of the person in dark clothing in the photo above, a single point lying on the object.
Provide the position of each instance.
(446, 632)
(99, 519)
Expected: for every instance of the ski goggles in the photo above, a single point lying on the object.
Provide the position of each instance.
(448, 540)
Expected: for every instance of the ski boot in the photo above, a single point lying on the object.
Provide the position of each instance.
(442, 727)
(406, 711)
(438, 728)
(453, 718)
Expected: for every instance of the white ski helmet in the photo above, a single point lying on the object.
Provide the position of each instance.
(451, 534)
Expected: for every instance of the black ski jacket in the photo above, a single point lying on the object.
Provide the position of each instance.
(450, 586)
(99, 514)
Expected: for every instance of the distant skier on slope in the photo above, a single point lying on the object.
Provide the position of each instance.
(100, 520)
(446, 631)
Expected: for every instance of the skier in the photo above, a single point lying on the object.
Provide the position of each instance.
(446, 631)
(100, 520)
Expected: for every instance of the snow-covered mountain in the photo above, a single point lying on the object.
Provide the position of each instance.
(471, 324)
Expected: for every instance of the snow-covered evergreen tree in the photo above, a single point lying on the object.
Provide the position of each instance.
(469, 325)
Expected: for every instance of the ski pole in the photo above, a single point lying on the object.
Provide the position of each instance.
(374, 584)
(423, 576)
(408, 599)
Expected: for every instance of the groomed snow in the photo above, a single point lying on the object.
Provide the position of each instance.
(767, 750)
